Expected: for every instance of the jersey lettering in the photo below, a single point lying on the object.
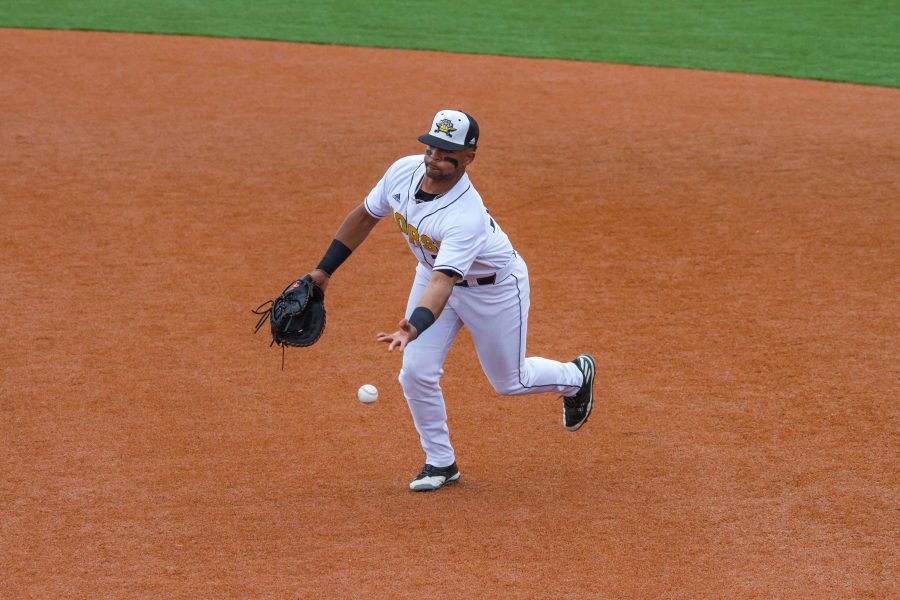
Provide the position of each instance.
(413, 236)
(429, 244)
(471, 240)
(401, 222)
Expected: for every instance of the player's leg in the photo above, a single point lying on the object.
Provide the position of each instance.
(423, 361)
(497, 317)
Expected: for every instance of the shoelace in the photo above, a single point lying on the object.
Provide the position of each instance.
(572, 401)
(430, 470)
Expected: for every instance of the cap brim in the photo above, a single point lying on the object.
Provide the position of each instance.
(441, 143)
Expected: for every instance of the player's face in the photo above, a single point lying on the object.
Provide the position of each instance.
(446, 164)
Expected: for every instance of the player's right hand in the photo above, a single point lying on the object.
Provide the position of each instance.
(400, 338)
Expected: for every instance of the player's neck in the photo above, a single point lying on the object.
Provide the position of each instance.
(439, 186)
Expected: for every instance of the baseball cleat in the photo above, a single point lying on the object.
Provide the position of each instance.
(432, 478)
(577, 408)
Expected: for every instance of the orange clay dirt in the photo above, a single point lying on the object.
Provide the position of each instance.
(727, 246)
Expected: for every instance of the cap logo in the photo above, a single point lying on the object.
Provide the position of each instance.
(444, 126)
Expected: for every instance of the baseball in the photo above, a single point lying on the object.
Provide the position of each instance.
(367, 394)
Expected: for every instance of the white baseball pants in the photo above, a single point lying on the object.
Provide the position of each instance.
(497, 318)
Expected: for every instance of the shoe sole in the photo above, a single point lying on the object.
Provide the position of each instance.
(452, 479)
(577, 426)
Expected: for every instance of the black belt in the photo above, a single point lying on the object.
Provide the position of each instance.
(487, 280)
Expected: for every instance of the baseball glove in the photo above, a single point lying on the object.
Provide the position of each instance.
(297, 316)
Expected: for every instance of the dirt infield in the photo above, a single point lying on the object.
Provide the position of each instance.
(726, 245)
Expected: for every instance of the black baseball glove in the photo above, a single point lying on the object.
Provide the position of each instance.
(297, 316)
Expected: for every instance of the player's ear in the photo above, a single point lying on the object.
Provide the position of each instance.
(470, 156)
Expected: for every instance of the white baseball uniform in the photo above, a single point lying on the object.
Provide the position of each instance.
(454, 233)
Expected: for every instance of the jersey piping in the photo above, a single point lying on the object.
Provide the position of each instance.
(371, 212)
(419, 227)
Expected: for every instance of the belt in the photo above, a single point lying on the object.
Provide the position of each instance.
(486, 280)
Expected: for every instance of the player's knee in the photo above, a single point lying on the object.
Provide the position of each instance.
(507, 387)
(414, 378)
(506, 384)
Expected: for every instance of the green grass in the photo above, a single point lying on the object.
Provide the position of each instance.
(840, 40)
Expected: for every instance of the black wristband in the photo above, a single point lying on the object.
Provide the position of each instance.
(334, 257)
(422, 318)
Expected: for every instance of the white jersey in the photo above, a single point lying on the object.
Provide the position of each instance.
(452, 232)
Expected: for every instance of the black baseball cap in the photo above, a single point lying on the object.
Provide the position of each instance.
(452, 130)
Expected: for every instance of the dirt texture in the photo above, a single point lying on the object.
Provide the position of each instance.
(727, 246)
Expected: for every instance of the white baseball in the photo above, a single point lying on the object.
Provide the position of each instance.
(367, 394)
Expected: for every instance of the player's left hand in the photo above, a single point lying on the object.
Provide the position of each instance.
(320, 278)
(399, 339)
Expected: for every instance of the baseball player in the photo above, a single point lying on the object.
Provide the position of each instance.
(467, 274)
